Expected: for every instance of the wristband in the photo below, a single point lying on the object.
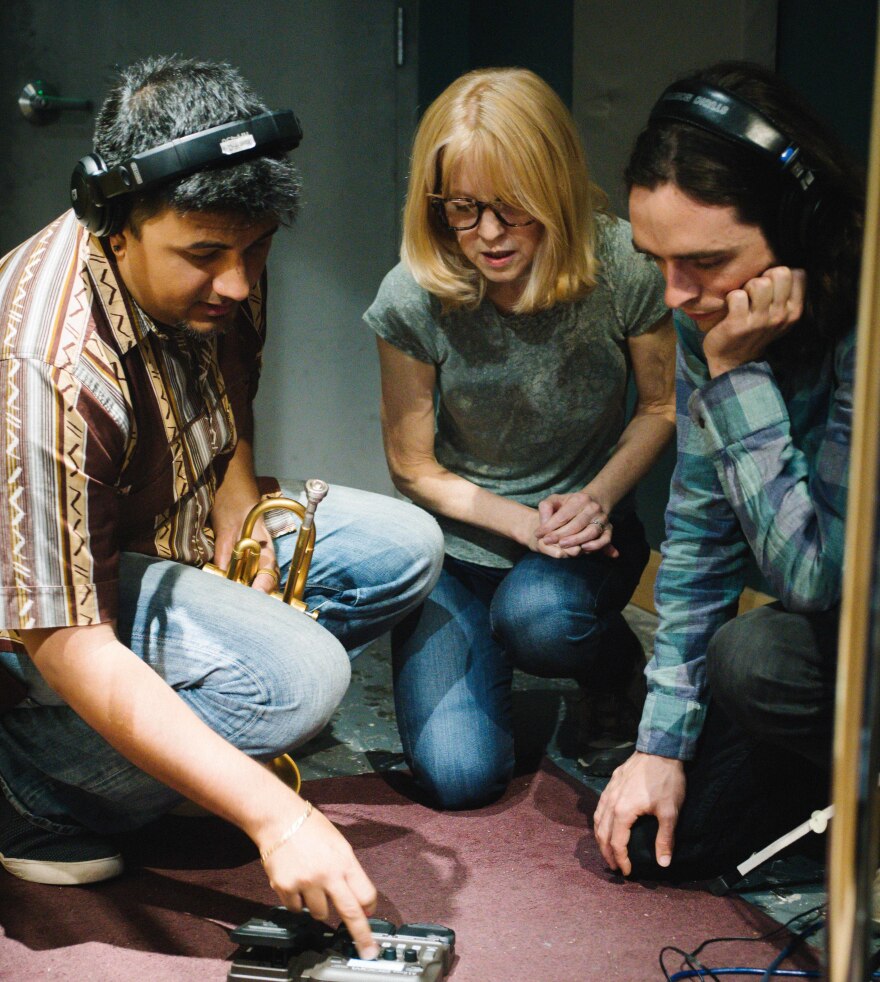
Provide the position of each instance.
(297, 825)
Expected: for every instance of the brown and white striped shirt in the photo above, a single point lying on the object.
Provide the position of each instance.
(115, 431)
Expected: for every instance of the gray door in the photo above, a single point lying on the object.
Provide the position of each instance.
(335, 63)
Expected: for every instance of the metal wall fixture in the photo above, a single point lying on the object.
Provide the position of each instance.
(40, 103)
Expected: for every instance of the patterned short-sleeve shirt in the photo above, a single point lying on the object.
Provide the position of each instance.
(115, 430)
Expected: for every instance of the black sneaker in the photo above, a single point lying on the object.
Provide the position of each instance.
(41, 856)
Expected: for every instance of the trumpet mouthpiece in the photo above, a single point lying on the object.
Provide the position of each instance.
(316, 490)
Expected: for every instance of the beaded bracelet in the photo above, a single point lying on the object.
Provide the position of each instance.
(297, 825)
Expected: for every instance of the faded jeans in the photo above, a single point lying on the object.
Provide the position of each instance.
(259, 673)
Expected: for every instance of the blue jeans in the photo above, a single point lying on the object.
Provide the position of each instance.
(259, 673)
(454, 657)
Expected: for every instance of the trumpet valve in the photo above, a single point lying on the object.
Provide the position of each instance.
(244, 561)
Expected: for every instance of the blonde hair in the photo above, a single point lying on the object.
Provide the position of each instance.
(511, 126)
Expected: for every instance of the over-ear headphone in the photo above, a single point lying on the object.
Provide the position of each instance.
(99, 193)
(803, 205)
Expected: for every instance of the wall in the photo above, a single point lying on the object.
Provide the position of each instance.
(624, 55)
(826, 51)
(334, 62)
(458, 35)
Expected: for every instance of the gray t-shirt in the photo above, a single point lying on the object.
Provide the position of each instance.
(528, 404)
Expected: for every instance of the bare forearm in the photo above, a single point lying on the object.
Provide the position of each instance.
(240, 480)
(653, 423)
(639, 448)
(236, 496)
(444, 493)
(147, 722)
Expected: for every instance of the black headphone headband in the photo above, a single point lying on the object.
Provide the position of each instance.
(94, 185)
(724, 114)
(719, 111)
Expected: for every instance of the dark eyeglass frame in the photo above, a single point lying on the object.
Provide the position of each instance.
(439, 204)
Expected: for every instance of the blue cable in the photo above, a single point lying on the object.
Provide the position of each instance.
(791, 973)
(772, 971)
(792, 946)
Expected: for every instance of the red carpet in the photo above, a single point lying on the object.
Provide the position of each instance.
(520, 882)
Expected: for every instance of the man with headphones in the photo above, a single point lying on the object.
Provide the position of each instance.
(132, 331)
(753, 214)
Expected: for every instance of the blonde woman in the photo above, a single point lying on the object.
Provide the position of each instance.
(506, 338)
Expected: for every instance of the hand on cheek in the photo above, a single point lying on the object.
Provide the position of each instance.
(761, 311)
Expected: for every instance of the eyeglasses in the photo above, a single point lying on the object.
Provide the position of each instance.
(461, 214)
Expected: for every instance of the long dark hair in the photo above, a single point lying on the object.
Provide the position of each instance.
(716, 171)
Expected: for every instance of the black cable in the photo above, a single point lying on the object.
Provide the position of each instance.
(690, 958)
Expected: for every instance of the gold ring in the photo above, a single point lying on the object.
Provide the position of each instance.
(276, 576)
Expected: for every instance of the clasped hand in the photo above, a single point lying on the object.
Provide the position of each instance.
(571, 524)
(758, 313)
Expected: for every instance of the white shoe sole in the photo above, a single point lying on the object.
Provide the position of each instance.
(64, 874)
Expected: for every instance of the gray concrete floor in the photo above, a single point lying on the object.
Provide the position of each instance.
(362, 737)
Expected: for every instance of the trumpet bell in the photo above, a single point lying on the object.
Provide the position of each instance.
(284, 767)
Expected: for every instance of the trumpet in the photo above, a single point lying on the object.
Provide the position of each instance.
(244, 562)
(244, 566)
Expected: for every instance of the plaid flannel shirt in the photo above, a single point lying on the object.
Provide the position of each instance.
(762, 465)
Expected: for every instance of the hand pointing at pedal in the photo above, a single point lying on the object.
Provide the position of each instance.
(311, 865)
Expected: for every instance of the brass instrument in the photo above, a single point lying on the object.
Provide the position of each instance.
(284, 768)
(244, 562)
(244, 566)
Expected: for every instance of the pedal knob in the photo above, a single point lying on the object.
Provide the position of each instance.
(410, 955)
(389, 954)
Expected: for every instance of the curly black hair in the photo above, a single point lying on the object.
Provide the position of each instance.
(166, 97)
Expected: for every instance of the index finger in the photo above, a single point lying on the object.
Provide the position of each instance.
(603, 825)
(564, 511)
(798, 286)
(355, 918)
(618, 843)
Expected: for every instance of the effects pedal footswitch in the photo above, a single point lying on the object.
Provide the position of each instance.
(289, 947)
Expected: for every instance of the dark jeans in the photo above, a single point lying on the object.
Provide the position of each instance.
(454, 657)
(764, 758)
